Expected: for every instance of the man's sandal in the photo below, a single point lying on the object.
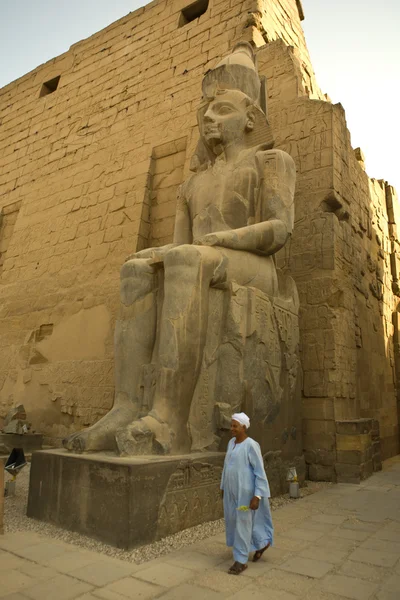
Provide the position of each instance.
(237, 568)
(259, 553)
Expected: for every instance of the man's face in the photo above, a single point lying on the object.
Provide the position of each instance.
(225, 120)
(237, 429)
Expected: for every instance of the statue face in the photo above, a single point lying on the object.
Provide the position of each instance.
(226, 119)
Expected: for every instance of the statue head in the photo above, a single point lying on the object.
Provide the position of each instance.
(230, 113)
(226, 119)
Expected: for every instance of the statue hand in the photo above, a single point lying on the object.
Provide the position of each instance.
(206, 240)
(227, 239)
(221, 238)
(147, 253)
(151, 252)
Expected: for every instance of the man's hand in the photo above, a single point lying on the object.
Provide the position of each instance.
(254, 503)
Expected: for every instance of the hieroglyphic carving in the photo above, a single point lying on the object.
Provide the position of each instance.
(192, 497)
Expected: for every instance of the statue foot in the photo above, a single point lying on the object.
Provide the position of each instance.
(101, 436)
(144, 436)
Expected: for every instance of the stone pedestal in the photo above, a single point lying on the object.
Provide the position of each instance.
(125, 502)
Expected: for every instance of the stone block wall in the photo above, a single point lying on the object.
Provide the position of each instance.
(8, 218)
(343, 256)
(88, 175)
(166, 174)
(355, 450)
(281, 20)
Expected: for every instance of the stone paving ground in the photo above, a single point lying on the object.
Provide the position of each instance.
(342, 542)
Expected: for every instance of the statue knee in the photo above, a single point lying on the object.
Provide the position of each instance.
(137, 267)
(137, 280)
(189, 255)
(179, 252)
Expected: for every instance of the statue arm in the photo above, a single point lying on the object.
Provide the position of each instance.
(274, 209)
(261, 238)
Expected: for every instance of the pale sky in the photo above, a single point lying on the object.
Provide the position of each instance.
(354, 46)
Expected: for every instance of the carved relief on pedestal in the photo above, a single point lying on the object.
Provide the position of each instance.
(192, 497)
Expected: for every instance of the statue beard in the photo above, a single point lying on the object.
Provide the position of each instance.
(216, 140)
(216, 146)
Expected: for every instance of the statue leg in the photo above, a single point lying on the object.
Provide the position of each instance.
(135, 330)
(188, 271)
(134, 341)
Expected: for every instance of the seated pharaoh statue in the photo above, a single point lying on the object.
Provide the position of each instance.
(233, 214)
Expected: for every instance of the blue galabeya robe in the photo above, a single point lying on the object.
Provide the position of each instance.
(242, 478)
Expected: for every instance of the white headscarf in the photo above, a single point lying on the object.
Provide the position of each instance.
(241, 418)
